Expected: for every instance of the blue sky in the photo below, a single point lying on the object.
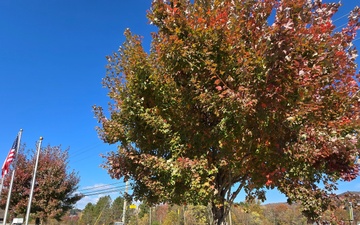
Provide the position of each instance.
(52, 60)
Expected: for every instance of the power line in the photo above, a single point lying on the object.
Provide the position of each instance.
(341, 17)
(104, 189)
(356, 39)
(84, 158)
(76, 154)
(83, 150)
(97, 187)
(103, 192)
(338, 27)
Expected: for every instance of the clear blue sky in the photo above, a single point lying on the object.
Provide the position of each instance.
(52, 60)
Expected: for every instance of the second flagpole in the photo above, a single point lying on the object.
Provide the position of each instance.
(33, 182)
(12, 178)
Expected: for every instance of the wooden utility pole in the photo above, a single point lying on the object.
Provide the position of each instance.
(150, 216)
(124, 208)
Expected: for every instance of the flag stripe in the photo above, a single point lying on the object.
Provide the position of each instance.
(9, 159)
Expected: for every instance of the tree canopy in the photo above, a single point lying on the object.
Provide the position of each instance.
(54, 194)
(235, 95)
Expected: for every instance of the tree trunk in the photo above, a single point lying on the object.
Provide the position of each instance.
(219, 214)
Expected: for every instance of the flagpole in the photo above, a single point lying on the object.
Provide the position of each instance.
(33, 182)
(1, 186)
(12, 177)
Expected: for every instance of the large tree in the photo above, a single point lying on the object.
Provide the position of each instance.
(54, 194)
(235, 95)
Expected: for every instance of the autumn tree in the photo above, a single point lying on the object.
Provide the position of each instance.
(235, 95)
(171, 218)
(72, 217)
(249, 213)
(158, 213)
(54, 193)
(283, 214)
(196, 215)
(345, 203)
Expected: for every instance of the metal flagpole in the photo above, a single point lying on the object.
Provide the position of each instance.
(33, 182)
(1, 186)
(12, 178)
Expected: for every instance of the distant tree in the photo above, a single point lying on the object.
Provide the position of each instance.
(87, 216)
(70, 218)
(102, 212)
(196, 215)
(117, 208)
(131, 216)
(283, 214)
(171, 218)
(143, 209)
(54, 194)
(144, 220)
(249, 213)
(345, 202)
(160, 212)
(258, 93)
(276, 212)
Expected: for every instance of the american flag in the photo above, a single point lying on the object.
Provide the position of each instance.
(9, 158)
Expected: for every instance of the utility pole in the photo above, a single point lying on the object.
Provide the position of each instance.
(124, 208)
(351, 213)
(230, 219)
(184, 214)
(150, 216)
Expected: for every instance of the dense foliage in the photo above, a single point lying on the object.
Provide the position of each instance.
(235, 95)
(54, 194)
